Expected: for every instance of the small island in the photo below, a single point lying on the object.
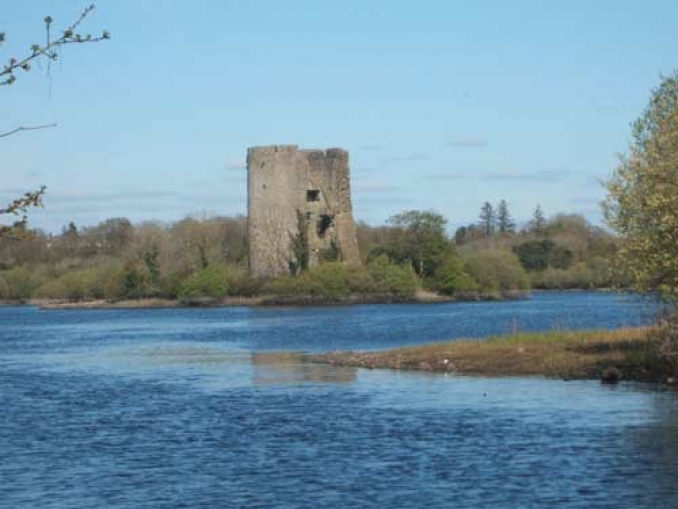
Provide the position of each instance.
(609, 355)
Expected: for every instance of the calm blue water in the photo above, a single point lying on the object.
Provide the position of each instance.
(191, 408)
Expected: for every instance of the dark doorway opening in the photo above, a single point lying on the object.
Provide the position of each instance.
(324, 223)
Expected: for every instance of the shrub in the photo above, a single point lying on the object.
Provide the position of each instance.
(20, 283)
(97, 278)
(239, 282)
(496, 270)
(211, 282)
(171, 284)
(391, 278)
(335, 281)
(327, 280)
(358, 280)
(330, 279)
(77, 284)
(4, 289)
(450, 277)
(55, 289)
(130, 280)
(595, 274)
(284, 285)
(331, 254)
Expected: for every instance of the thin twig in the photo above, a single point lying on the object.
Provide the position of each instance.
(48, 51)
(26, 128)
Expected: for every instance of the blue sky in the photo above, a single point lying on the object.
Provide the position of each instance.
(442, 104)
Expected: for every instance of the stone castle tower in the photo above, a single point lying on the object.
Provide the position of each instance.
(290, 189)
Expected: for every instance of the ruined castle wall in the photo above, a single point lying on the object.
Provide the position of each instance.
(271, 208)
(284, 181)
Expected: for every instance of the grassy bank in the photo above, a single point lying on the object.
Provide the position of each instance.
(419, 297)
(627, 354)
(143, 303)
(256, 301)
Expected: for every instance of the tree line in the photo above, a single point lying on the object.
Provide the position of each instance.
(562, 252)
(206, 258)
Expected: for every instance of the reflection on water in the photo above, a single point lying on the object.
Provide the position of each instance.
(189, 355)
(214, 367)
(290, 368)
(142, 358)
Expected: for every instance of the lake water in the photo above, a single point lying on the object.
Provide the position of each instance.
(193, 408)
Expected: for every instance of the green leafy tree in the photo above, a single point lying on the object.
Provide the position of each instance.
(419, 238)
(642, 195)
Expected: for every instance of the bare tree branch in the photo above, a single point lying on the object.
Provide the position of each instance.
(19, 207)
(30, 199)
(50, 49)
(26, 128)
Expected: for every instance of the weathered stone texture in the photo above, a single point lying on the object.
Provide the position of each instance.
(283, 182)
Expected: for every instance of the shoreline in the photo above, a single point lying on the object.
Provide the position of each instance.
(627, 354)
(421, 297)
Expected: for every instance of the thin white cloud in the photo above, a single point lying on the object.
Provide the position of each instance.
(468, 142)
(407, 158)
(444, 176)
(544, 176)
(371, 147)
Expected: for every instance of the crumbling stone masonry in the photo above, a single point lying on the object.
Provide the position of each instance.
(298, 195)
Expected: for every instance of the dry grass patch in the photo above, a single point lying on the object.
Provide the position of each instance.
(558, 354)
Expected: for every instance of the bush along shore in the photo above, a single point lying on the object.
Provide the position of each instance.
(633, 354)
(379, 281)
(270, 300)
